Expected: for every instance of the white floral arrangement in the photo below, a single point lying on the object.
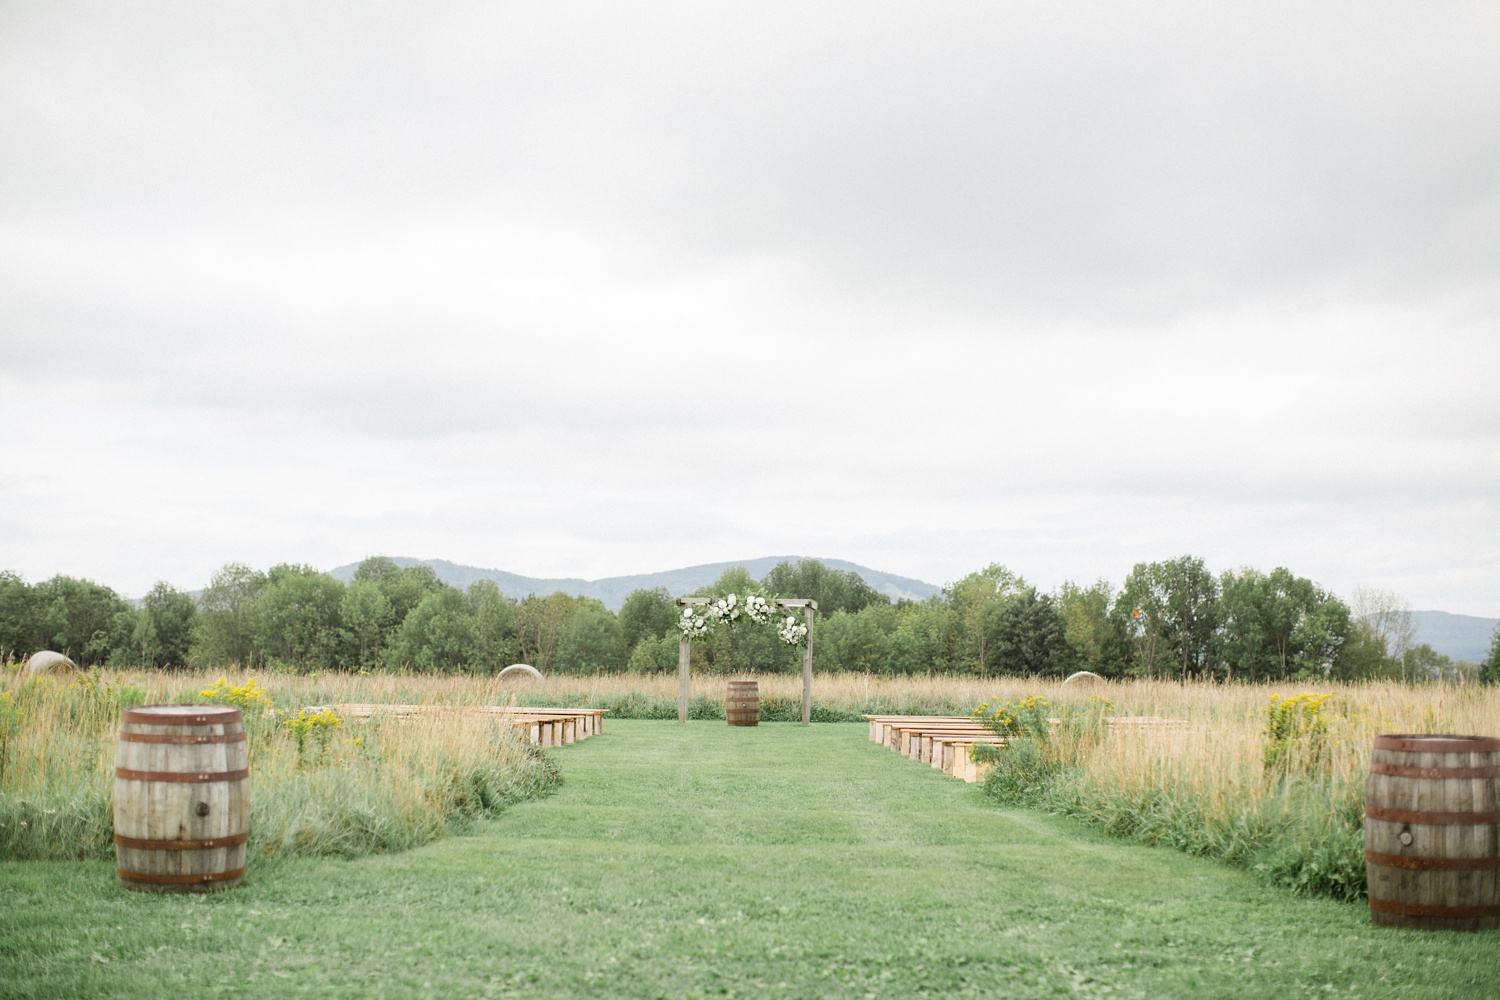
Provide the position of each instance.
(725, 611)
(792, 632)
(693, 625)
(758, 610)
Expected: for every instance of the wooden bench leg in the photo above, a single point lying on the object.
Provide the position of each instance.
(962, 762)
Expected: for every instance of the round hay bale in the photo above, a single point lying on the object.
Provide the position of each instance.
(48, 662)
(520, 670)
(1084, 678)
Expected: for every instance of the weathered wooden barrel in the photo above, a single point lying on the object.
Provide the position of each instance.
(742, 703)
(1432, 832)
(182, 798)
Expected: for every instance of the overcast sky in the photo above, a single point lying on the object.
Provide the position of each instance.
(578, 289)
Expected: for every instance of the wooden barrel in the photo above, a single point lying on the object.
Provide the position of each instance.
(742, 703)
(182, 798)
(1432, 832)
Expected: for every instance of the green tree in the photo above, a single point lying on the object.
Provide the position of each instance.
(925, 639)
(591, 642)
(1489, 670)
(495, 645)
(1098, 639)
(647, 614)
(404, 588)
(834, 590)
(366, 616)
(297, 618)
(977, 602)
(1389, 616)
(1030, 636)
(653, 656)
(437, 636)
(858, 642)
(18, 626)
(226, 625)
(1173, 610)
(163, 631)
(78, 618)
(1427, 664)
(1362, 656)
(540, 622)
(1320, 635)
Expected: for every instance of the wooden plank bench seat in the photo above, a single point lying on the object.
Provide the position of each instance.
(946, 742)
(546, 727)
(941, 741)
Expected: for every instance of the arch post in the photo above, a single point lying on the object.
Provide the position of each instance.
(807, 667)
(809, 607)
(684, 658)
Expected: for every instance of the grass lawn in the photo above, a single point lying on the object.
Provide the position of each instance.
(703, 860)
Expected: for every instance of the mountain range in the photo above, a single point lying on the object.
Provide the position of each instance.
(614, 589)
(1462, 637)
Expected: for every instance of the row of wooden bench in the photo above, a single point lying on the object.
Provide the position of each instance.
(946, 742)
(544, 727)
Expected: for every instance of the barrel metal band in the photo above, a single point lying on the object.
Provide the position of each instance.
(211, 843)
(1408, 771)
(182, 777)
(1431, 818)
(150, 879)
(1432, 910)
(1418, 743)
(208, 717)
(188, 740)
(1431, 864)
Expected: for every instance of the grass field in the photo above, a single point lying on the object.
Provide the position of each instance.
(708, 861)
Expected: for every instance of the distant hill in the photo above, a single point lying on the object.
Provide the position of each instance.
(1463, 637)
(613, 590)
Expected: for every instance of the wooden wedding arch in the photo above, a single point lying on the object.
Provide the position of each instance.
(685, 647)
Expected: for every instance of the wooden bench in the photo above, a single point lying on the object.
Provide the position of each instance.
(944, 742)
(545, 727)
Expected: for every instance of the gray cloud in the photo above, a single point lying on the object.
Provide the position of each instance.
(582, 290)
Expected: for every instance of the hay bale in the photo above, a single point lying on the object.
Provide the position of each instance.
(520, 671)
(1084, 678)
(48, 662)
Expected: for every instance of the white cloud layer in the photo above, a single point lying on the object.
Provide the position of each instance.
(582, 289)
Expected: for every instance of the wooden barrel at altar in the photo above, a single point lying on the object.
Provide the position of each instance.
(742, 703)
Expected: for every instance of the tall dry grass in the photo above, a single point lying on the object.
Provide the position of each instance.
(345, 789)
(383, 786)
(1294, 815)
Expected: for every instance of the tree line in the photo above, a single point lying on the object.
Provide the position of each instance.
(1170, 619)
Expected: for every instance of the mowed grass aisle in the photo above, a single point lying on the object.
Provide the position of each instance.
(702, 860)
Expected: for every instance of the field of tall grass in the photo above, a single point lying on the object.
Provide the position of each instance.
(1261, 778)
(318, 786)
(1270, 778)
